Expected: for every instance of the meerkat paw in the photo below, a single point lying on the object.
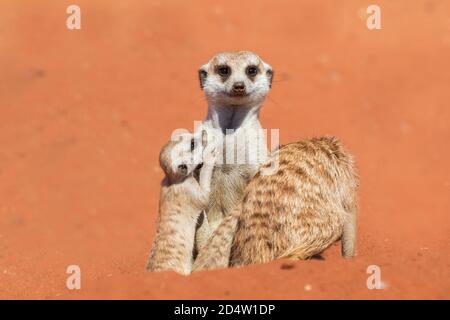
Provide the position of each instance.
(210, 156)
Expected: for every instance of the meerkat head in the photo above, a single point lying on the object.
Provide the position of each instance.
(182, 155)
(236, 79)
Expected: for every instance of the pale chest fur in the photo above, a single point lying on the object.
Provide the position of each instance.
(243, 150)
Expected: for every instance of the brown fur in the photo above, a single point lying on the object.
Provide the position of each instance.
(296, 212)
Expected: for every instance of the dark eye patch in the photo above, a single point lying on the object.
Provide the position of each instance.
(193, 145)
(252, 71)
(224, 71)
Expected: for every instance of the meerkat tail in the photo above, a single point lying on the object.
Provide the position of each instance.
(298, 253)
(217, 253)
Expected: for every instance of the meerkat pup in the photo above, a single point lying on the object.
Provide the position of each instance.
(235, 85)
(187, 162)
(294, 211)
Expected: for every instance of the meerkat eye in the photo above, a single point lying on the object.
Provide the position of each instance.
(252, 71)
(224, 71)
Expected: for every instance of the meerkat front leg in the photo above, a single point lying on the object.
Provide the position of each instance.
(204, 231)
(205, 177)
(217, 253)
(209, 161)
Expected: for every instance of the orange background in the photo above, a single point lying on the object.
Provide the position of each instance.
(83, 115)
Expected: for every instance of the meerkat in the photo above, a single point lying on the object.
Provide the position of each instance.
(235, 85)
(188, 164)
(295, 211)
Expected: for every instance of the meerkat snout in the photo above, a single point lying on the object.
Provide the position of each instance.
(183, 169)
(236, 79)
(238, 88)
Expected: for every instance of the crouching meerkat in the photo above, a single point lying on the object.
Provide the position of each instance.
(295, 211)
(188, 163)
(235, 85)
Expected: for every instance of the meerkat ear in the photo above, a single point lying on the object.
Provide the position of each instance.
(204, 138)
(202, 75)
(177, 135)
(269, 73)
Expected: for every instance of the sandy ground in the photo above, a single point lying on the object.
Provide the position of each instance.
(83, 115)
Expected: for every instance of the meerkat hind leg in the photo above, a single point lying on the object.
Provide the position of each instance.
(203, 232)
(216, 253)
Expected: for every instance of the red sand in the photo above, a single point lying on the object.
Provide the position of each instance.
(84, 113)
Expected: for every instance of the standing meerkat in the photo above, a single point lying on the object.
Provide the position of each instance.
(182, 199)
(308, 203)
(235, 86)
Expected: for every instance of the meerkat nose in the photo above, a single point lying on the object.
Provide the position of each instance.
(238, 88)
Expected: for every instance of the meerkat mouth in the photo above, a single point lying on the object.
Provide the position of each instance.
(237, 95)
